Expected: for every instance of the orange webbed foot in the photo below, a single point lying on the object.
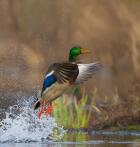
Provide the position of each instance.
(49, 110)
(42, 109)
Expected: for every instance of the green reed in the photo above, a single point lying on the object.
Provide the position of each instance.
(74, 114)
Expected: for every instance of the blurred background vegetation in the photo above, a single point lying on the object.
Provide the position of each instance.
(35, 33)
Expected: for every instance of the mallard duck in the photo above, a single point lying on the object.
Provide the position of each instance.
(62, 76)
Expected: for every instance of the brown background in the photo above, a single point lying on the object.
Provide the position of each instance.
(35, 33)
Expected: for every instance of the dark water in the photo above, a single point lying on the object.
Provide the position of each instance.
(85, 140)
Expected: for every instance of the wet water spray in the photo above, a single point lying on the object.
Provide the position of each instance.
(22, 124)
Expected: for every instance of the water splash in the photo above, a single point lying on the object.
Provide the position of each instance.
(22, 125)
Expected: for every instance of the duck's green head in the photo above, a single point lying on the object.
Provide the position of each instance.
(76, 51)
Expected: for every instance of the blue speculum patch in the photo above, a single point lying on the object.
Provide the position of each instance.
(50, 80)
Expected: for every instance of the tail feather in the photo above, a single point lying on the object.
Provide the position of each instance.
(36, 105)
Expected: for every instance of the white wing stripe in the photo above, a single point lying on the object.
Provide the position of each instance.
(49, 74)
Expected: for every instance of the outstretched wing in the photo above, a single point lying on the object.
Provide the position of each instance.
(86, 71)
(61, 73)
(65, 72)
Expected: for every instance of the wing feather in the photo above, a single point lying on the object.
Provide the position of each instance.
(86, 71)
(65, 72)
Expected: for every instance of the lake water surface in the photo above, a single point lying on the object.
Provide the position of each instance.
(84, 140)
